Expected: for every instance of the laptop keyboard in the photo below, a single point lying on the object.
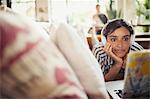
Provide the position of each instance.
(119, 93)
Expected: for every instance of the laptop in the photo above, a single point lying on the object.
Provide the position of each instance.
(137, 77)
(115, 88)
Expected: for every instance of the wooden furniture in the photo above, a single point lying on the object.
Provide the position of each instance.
(89, 40)
(143, 39)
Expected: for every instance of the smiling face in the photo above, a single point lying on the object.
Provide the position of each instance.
(120, 41)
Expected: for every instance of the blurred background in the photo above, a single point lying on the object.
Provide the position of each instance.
(78, 13)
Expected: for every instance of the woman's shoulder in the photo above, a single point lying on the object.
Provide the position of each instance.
(98, 46)
(98, 50)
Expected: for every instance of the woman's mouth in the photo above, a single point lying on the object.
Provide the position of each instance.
(119, 50)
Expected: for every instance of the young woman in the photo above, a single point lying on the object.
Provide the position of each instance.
(117, 42)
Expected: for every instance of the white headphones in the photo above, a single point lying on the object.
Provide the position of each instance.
(103, 38)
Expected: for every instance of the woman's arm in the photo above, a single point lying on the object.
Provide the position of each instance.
(114, 70)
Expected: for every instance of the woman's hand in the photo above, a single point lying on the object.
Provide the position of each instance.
(108, 49)
(124, 62)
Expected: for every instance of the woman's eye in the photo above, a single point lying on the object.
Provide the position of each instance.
(113, 39)
(126, 39)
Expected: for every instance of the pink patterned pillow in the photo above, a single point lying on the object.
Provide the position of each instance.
(31, 66)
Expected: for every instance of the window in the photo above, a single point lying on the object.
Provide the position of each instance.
(78, 13)
(25, 7)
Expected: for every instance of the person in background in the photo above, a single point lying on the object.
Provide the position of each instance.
(103, 20)
(99, 19)
(117, 41)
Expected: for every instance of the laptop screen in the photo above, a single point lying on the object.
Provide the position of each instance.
(137, 75)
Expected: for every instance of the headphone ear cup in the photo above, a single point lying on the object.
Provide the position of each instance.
(132, 39)
(103, 39)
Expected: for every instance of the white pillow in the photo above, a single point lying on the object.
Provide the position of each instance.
(81, 60)
(32, 67)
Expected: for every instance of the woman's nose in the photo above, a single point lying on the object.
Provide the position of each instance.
(120, 43)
